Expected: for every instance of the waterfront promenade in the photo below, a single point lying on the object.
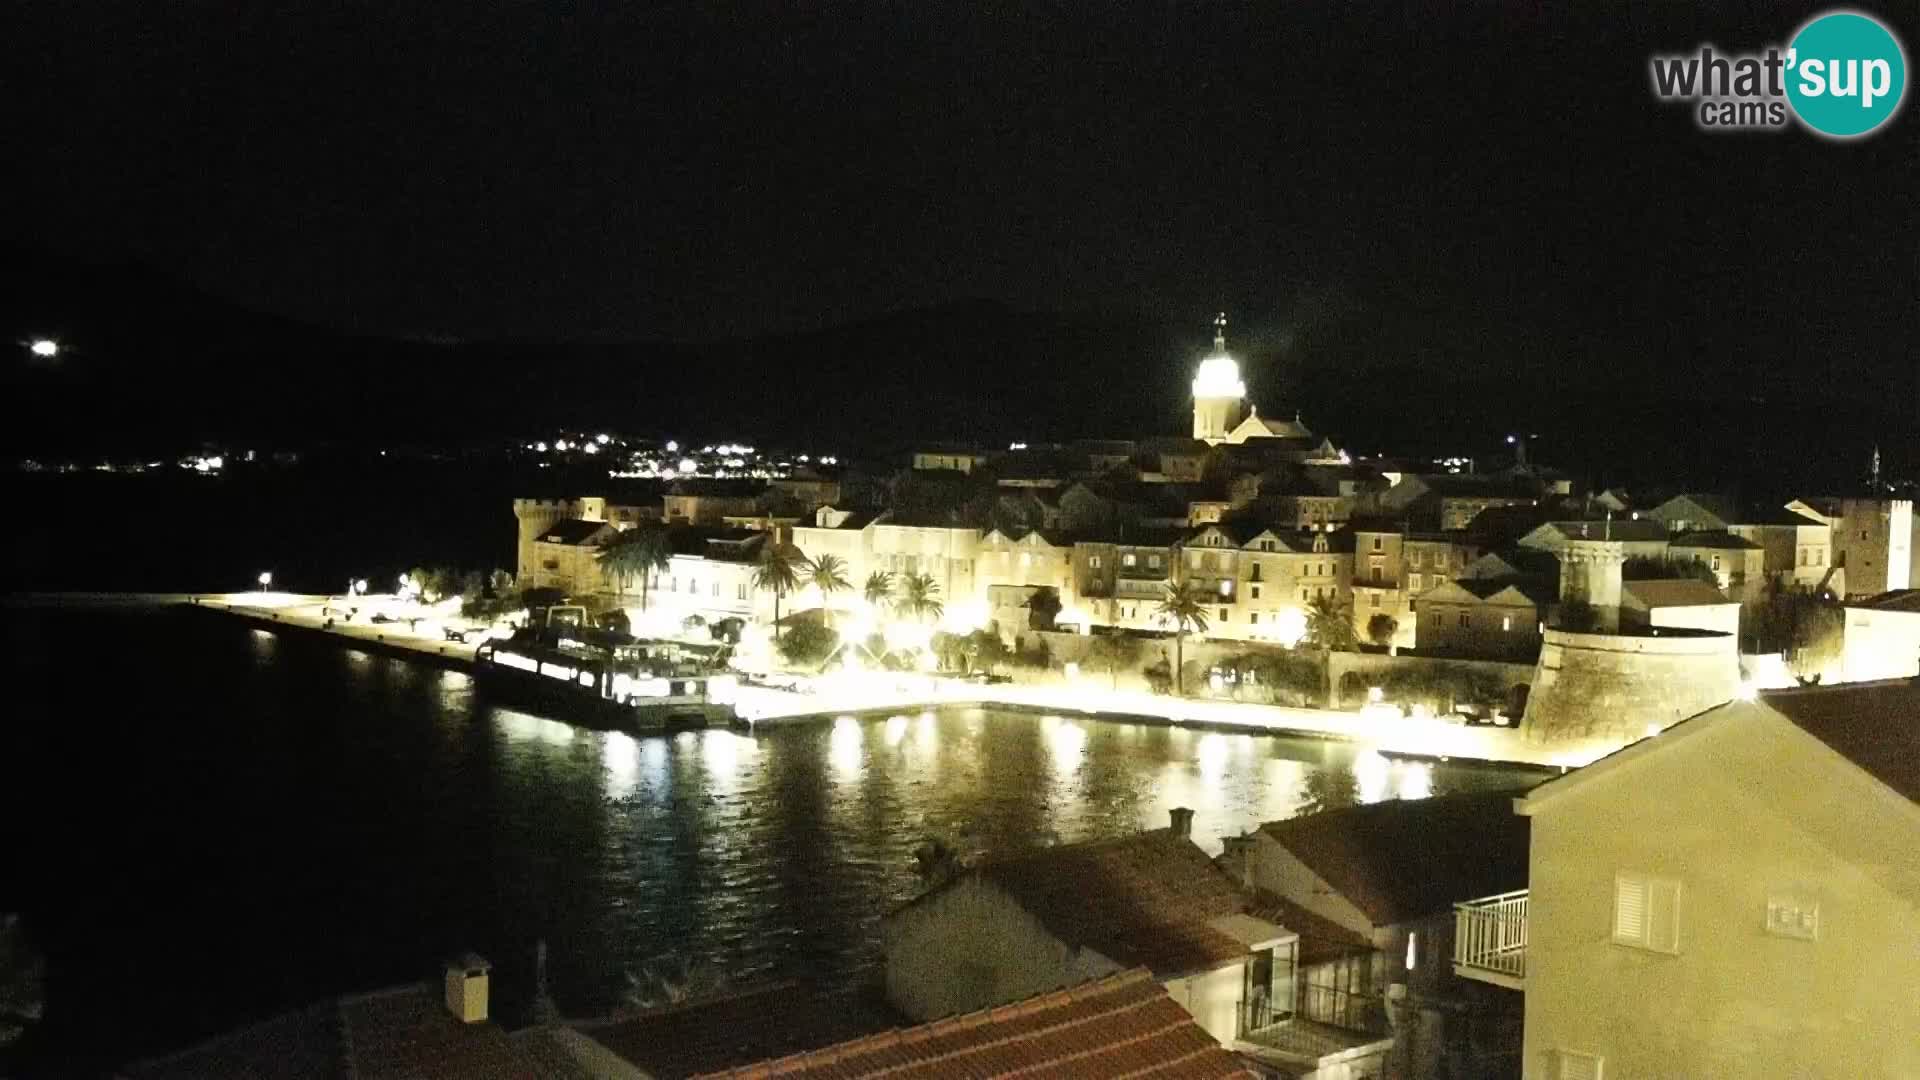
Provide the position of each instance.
(830, 696)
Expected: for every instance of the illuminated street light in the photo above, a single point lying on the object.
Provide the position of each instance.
(46, 348)
(265, 579)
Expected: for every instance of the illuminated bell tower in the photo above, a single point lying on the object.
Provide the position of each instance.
(1218, 394)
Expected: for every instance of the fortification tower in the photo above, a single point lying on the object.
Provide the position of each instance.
(536, 516)
(1590, 573)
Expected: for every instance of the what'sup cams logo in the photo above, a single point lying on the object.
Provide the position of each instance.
(1842, 76)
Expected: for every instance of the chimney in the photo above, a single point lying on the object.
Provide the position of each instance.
(1182, 822)
(467, 988)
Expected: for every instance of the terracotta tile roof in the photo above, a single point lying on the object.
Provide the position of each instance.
(1907, 600)
(1875, 725)
(1406, 858)
(403, 1032)
(1675, 592)
(1321, 939)
(713, 1034)
(1124, 1025)
(1144, 899)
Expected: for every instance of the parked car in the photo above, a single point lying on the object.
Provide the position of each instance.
(463, 634)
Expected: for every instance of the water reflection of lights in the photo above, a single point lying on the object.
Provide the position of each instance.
(1370, 772)
(924, 731)
(1212, 754)
(896, 730)
(1066, 742)
(845, 749)
(724, 753)
(1416, 780)
(520, 727)
(620, 754)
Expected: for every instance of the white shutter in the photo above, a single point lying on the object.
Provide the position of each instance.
(1646, 912)
(1575, 1065)
(1630, 909)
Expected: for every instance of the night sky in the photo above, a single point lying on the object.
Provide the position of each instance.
(1495, 180)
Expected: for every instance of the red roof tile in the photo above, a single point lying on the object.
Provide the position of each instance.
(1407, 858)
(1875, 725)
(1122, 1026)
(709, 1034)
(1144, 899)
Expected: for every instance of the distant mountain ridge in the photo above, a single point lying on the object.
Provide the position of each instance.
(152, 364)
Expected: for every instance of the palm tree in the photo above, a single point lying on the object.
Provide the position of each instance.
(828, 574)
(920, 597)
(631, 553)
(1328, 624)
(778, 573)
(1184, 611)
(879, 589)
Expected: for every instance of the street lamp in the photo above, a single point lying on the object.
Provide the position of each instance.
(265, 579)
(360, 587)
(46, 348)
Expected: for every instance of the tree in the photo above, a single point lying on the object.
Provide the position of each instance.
(639, 552)
(1043, 607)
(1381, 628)
(879, 589)
(1184, 611)
(919, 597)
(984, 649)
(828, 573)
(808, 643)
(1114, 653)
(1805, 628)
(1328, 624)
(1646, 568)
(778, 572)
(1578, 616)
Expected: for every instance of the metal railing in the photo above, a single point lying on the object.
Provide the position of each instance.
(1326, 1021)
(1490, 934)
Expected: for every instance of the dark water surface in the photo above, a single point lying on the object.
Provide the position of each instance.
(208, 823)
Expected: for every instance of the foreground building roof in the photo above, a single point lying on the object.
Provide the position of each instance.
(1124, 1025)
(1150, 899)
(404, 1033)
(710, 1035)
(1907, 600)
(1406, 858)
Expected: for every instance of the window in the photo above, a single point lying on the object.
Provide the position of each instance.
(1414, 557)
(1373, 599)
(740, 592)
(1415, 581)
(1374, 573)
(1377, 541)
(1256, 592)
(1128, 559)
(1646, 912)
(1253, 618)
(1256, 572)
(1716, 562)
(1576, 1065)
(1466, 620)
(1153, 562)
(1413, 949)
(1506, 623)
(1223, 614)
(1093, 562)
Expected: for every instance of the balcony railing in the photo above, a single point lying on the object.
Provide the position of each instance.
(1328, 1022)
(1490, 939)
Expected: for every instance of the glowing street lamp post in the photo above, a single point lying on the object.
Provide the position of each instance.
(265, 579)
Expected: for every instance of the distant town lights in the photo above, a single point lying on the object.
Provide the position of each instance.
(687, 465)
(45, 347)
